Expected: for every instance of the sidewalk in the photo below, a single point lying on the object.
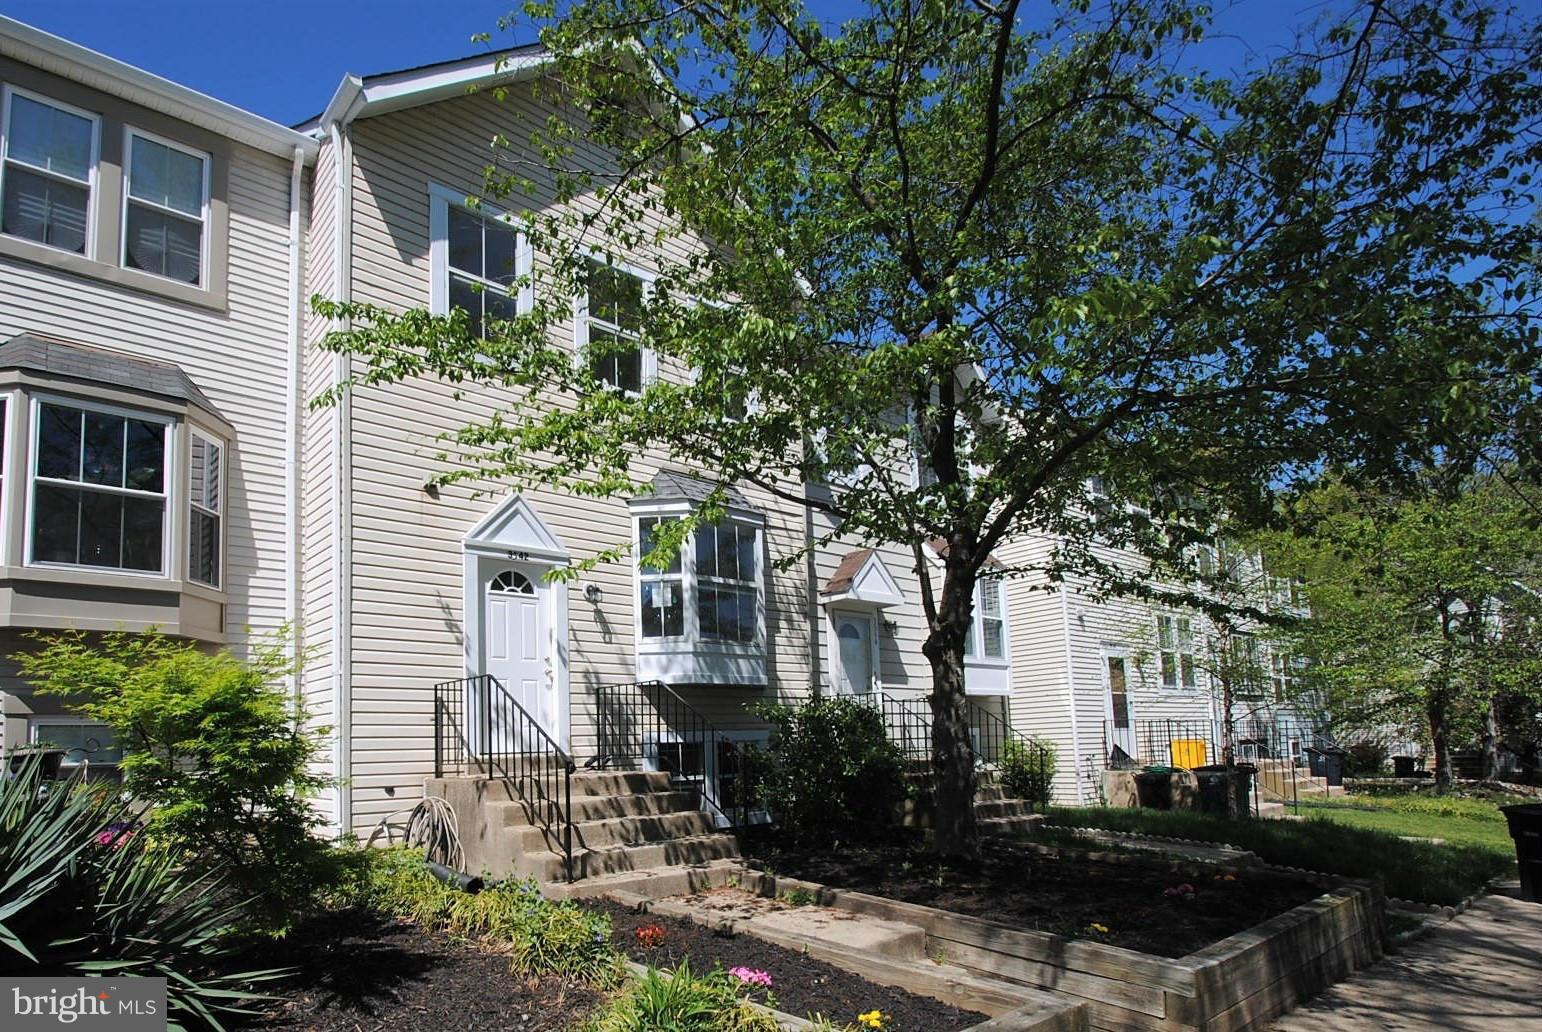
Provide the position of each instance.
(1481, 971)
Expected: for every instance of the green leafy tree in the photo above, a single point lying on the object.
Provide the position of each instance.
(214, 745)
(1424, 606)
(1011, 248)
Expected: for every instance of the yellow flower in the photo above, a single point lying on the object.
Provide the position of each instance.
(872, 1019)
(1101, 929)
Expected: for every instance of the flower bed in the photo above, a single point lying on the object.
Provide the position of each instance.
(798, 984)
(1156, 907)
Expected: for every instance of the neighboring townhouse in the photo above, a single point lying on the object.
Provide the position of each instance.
(149, 360)
(1121, 681)
(408, 586)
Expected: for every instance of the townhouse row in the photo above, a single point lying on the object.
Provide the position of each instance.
(162, 464)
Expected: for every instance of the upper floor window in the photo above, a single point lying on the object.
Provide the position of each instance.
(709, 591)
(165, 211)
(609, 328)
(99, 489)
(205, 510)
(1175, 645)
(1282, 676)
(48, 171)
(476, 259)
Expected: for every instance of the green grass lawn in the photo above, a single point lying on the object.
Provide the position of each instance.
(1358, 837)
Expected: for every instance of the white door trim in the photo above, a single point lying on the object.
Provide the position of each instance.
(514, 536)
(837, 667)
(1105, 653)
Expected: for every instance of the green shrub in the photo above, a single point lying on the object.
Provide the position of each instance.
(544, 938)
(214, 744)
(829, 772)
(1366, 759)
(83, 894)
(1027, 771)
(681, 1002)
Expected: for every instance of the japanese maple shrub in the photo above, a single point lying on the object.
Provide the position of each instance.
(214, 744)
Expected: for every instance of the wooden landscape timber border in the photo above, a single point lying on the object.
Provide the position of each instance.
(1238, 983)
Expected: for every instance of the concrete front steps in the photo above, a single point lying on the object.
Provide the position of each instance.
(999, 813)
(1275, 783)
(622, 821)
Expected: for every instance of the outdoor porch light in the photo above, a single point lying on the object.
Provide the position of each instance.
(593, 594)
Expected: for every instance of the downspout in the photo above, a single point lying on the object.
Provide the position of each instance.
(342, 477)
(294, 334)
(815, 674)
(1070, 691)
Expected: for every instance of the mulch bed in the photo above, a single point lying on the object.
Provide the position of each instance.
(800, 984)
(1061, 895)
(359, 973)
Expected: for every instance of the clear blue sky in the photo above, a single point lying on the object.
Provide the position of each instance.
(283, 58)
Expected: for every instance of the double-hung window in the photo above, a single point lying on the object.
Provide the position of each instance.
(987, 634)
(661, 591)
(1175, 645)
(205, 510)
(48, 171)
(727, 582)
(1282, 676)
(166, 208)
(99, 489)
(477, 259)
(610, 326)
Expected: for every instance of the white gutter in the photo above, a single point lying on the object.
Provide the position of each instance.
(1070, 691)
(342, 474)
(293, 335)
(72, 61)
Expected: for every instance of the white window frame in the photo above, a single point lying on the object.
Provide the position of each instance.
(1178, 651)
(974, 643)
(129, 132)
(650, 575)
(168, 493)
(12, 401)
(440, 200)
(691, 638)
(220, 515)
(1282, 675)
(648, 363)
(92, 172)
(39, 720)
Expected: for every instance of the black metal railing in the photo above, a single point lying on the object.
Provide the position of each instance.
(908, 724)
(648, 722)
(1175, 743)
(479, 729)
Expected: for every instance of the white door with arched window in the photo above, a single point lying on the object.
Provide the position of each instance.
(856, 645)
(517, 642)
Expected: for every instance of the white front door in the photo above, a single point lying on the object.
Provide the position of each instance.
(517, 654)
(854, 642)
(1121, 714)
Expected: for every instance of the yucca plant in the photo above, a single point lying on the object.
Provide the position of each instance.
(83, 895)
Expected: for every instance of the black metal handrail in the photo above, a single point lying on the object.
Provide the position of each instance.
(1162, 742)
(479, 726)
(632, 718)
(909, 726)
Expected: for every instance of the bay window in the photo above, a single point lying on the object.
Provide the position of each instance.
(987, 637)
(47, 171)
(205, 509)
(165, 211)
(99, 489)
(701, 613)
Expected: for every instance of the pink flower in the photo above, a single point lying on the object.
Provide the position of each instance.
(751, 976)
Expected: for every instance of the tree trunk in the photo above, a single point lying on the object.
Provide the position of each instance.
(1490, 742)
(953, 776)
(1435, 710)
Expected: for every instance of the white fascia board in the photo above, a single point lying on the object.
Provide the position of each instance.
(72, 61)
(362, 97)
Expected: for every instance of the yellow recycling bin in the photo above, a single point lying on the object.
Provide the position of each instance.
(1188, 752)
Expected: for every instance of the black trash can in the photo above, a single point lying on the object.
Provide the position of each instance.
(1526, 829)
(1326, 763)
(1214, 784)
(1154, 789)
(1404, 767)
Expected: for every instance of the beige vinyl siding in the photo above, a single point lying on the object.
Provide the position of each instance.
(318, 485)
(238, 358)
(407, 556)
